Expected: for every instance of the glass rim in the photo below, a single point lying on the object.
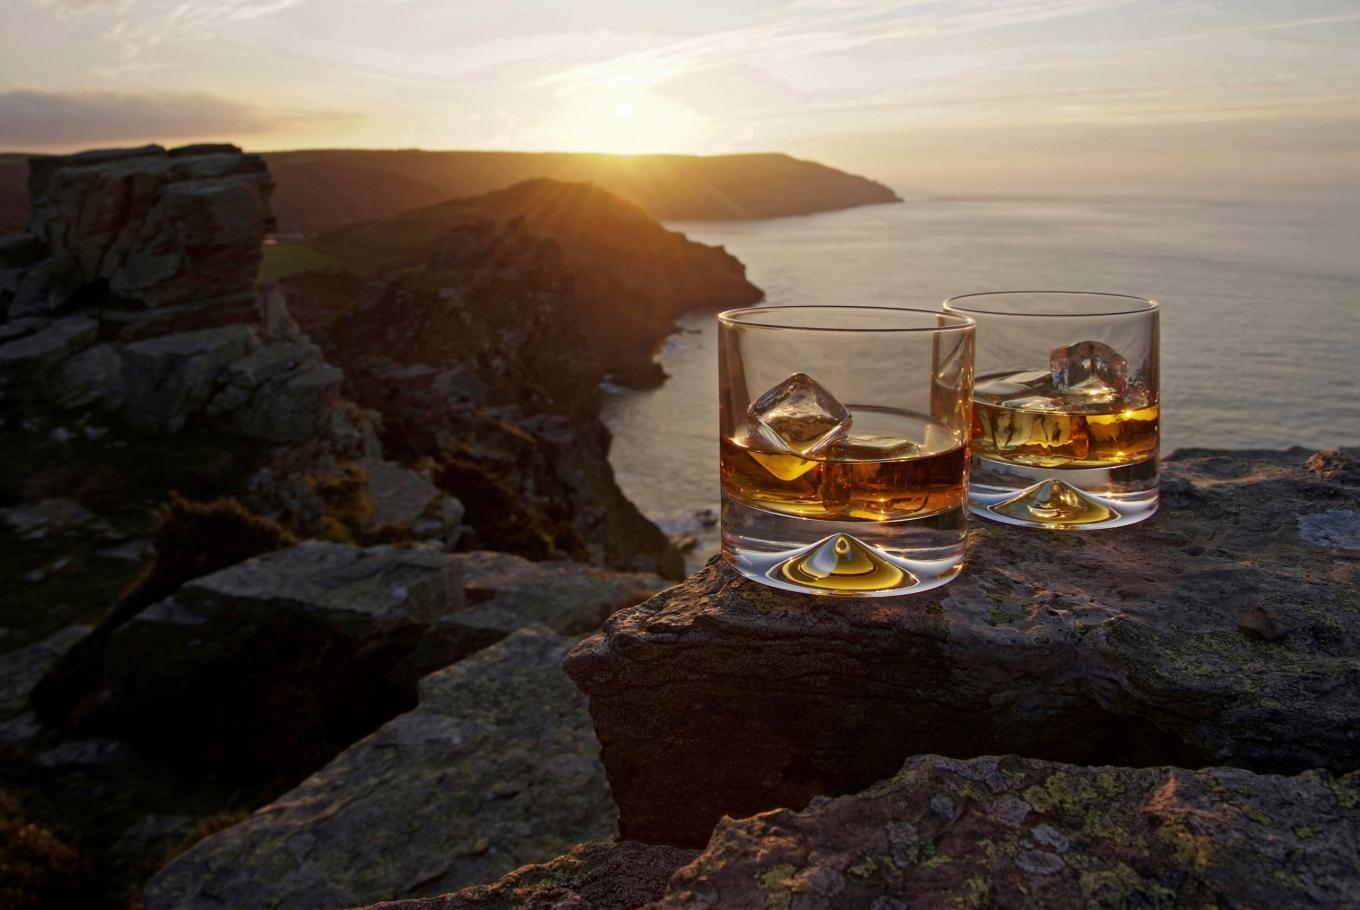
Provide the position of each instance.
(1144, 305)
(735, 318)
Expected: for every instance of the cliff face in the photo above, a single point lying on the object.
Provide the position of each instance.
(632, 276)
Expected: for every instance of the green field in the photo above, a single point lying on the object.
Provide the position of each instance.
(284, 259)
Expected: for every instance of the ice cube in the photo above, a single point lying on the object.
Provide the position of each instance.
(799, 416)
(998, 389)
(1090, 371)
(873, 447)
(1033, 403)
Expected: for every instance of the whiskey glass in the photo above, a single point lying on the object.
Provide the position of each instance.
(844, 446)
(1065, 408)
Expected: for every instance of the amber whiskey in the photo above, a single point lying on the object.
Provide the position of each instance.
(1030, 422)
(891, 466)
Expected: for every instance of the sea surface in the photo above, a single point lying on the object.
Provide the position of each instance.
(1260, 313)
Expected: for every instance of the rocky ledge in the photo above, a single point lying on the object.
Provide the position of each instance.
(496, 767)
(1016, 832)
(272, 665)
(1224, 631)
(986, 832)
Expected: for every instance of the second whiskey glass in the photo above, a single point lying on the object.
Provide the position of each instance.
(1065, 408)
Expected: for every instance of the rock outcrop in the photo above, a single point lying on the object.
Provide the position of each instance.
(133, 293)
(495, 768)
(598, 876)
(159, 229)
(1015, 832)
(1223, 631)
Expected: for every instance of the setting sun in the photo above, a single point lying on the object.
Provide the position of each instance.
(621, 113)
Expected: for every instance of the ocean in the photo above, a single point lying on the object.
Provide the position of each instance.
(1260, 314)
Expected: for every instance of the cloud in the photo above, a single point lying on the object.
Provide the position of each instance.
(828, 27)
(140, 24)
(31, 118)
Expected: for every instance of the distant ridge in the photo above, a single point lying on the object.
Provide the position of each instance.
(323, 189)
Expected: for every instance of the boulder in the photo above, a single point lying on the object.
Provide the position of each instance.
(92, 377)
(270, 666)
(598, 876)
(496, 767)
(1221, 631)
(22, 668)
(26, 358)
(293, 406)
(170, 377)
(49, 518)
(399, 495)
(1014, 832)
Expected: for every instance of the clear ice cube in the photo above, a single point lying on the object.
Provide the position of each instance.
(1089, 370)
(873, 447)
(799, 416)
(998, 389)
(1034, 403)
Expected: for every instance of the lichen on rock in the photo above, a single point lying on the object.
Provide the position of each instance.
(1089, 837)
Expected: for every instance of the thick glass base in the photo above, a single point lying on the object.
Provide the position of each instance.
(843, 558)
(1063, 499)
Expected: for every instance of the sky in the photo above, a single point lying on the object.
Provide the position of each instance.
(941, 92)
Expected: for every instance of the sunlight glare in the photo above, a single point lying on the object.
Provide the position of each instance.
(623, 115)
